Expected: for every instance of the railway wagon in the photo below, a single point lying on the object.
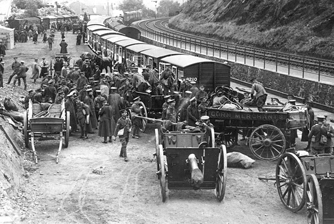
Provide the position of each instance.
(132, 16)
(128, 31)
(94, 28)
(97, 35)
(204, 72)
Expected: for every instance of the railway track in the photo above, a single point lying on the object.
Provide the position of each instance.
(160, 26)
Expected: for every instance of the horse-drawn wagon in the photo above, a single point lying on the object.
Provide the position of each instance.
(42, 122)
(190, 160)
(307, 180)
(268, 131)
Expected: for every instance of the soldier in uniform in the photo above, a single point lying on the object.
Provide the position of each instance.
(82, 111)
(137, 122)
(44, 68)
(15, 67)
(171, 111)
(193, 113)
(82, 81)
(123, 123)
(50, 92)
(90, 102)
(164, 107)
(22, 74)
(105, 116)
(70, 106)
(320, 137)
(29, 97)
(98, 102)
(261, 94)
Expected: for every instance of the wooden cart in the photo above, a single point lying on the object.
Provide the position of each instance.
(174, 151)
(307, 180)
(268, 132)
(55, 121)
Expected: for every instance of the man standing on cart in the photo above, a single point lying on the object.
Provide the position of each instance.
(261, 94)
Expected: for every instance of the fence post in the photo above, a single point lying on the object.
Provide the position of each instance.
(190, 43)
(319, 71)
(200, 46)
(254, 57)
(264, 59)
(245, 57)
(289, 65)
(195, 45)
(207, 45)
(213, 49)
(235, 53)
(227, 51)
(220, 50)
(303, 71)
(276, 62)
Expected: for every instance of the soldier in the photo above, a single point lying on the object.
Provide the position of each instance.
(164, 107)
(82, 112)
(2, 48)
(58, 65)
(193, 113)
(90, 102)
(35, 70)
(29, 97)
(193, 89)
(87, 69)
(82, 81)
(114, 101)
(123, 130)
(98, 102)
(44, 68)
(22, 74)
(137, 122)
(105, 117)
(15, 67)
(50, 42)
(63, 46)
(50, 92)
(201, 94)
(70, 106)
(79, 38)
(321, 137)
(261, 94)
(171, 111)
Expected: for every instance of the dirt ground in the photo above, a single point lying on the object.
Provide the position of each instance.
(70, 192)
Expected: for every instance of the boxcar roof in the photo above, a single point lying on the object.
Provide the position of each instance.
(97, 27)
(101, 32)
(159, 52)
(140, 47)
(94, 24)
(184, 60)
(115, 38)
(125, 43)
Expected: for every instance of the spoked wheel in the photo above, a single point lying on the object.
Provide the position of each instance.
(267, 142)
(144, 114)
(67, 134)
(221, 174)
(230, 138)
(314, 208)
(25, 129)
(157, 147)
(291, 181)
(162, 174)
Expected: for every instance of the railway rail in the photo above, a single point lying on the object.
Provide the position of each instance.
(321, 70)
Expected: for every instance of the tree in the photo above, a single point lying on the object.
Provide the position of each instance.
(168, 7)
(31, 8)
(25, 4)
(148, 13)
(131, 5)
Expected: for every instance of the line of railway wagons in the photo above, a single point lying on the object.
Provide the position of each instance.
(138, 54)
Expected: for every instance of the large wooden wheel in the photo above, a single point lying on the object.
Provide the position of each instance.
(230, 138)
(67, 133)
(163, 184)
(144, 114)
(314, 208)
(221, 174)
(267, 142)
(291, 181)
(25, 129)
(157, 148)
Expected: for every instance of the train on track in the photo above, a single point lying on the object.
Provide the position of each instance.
(137, 54)
(119, 26)
(132, 16)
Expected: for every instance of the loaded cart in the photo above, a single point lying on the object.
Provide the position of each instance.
(307, 180)
(189, 160)
(269, 132)
(43, 121)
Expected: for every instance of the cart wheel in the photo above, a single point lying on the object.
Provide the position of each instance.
(221, 174)
(162, 174)
(25, 129)
(67, 134)
(144, 113)
(157, 147)
(230, 139)
(291, 181)
(313, 201)
(267, 142)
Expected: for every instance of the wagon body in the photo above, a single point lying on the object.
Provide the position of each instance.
(42, 123)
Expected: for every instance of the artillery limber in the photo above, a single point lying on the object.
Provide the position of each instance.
(42, 122)
(307, 180)
(187, 160)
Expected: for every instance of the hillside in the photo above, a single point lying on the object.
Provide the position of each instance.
(298, 26)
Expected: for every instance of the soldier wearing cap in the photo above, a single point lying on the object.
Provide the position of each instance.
(98, 102)
(320, 136)
(261, 94)
(123, 129)
(29, 97)
(167, 80)
(194, 90)
(82, 112)
(114, 100)
(171, 111)
(165, 106)
(144, 85)
(74, 74)
(60, 96)
(105, 117)
(136, 122)
(50, 92)
(89, 100)
(70, 106)
(193, 113)
(22, 75)
(201, 94)
(44, 68)
(87, 69)
(82, 81)
(206, 126)
(15, 67)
